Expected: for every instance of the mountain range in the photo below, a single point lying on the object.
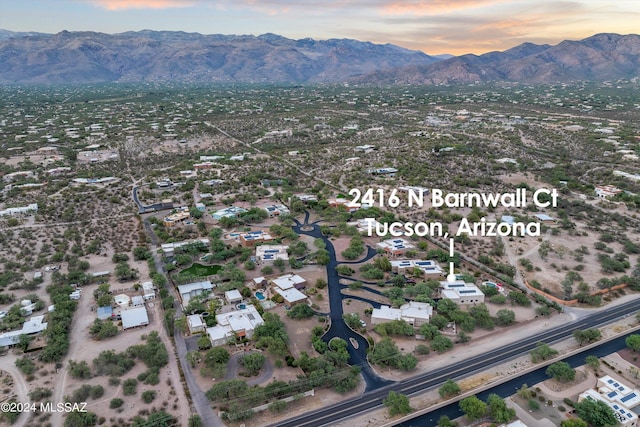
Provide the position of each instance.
(170, 56)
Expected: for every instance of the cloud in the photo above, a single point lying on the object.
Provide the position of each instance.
(432, 7)
(115, 5)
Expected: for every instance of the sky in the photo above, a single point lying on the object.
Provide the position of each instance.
(432, 26)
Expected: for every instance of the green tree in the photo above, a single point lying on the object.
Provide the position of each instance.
(587, 335)
(449, 389)
(561, 371)
(573, 422)
(397, 403)
(215, 356)
(439, 321)
(441, 344)
(79, 369)
(124, 272)
(300, 311)
(23, 341)
(446, 307)
(596, 413)
(593, 362)
(141, 253)
(252, 362)
(148, 396)
(384, 353)
(75, 419)
(542, 352)
(204, 343)
(383, 263)
(505, 317)
(473, 408)
(130, 387)
(445, 421)
(194, 421)
(633, 342)
(103, 329)
(498, 409)
(429, 331)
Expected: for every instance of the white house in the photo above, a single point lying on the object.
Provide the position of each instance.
(289, 281)
(428, 268)
(22, 210)
(606, 191)
(618, 396)
(414, 313)
(239, 323)
(148, 291)
(233, 296)
(461, 292)
(33, 326)
(195, 323)
(169, 248)
(134, 317)
(191, 290)
(395, 247)
(288, 286)
(276, 209)
(122, 300)
(267, 254)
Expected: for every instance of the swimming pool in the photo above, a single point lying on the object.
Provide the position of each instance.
(260, 296)
(241, 306)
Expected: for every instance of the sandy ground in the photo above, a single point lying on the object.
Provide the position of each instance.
(84, 348)
(340, 244)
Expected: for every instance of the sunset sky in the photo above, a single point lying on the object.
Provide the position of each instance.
(433, 26)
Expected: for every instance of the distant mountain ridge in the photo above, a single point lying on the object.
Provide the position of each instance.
(175, 56)
(600, 57)
(83, 57)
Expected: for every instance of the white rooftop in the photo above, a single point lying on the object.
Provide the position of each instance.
(122, 299)
(395, 244)
(232, 295)
(459, 287)
(195, 321)
(385, 312)
(190, 287)
(416, 310)
(618, 392)
(288, 281)
(291, 295)
(134, 317)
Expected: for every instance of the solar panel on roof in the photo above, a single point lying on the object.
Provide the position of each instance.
(628, 397)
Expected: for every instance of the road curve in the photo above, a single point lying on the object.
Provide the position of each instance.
(373, 399)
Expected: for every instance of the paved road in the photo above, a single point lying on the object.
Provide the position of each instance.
(508, 388)
(199, 400)
(357, 357)
(144, 208)
(373, 399)
(338, 328)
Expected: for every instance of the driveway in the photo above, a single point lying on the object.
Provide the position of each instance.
(233, 368)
